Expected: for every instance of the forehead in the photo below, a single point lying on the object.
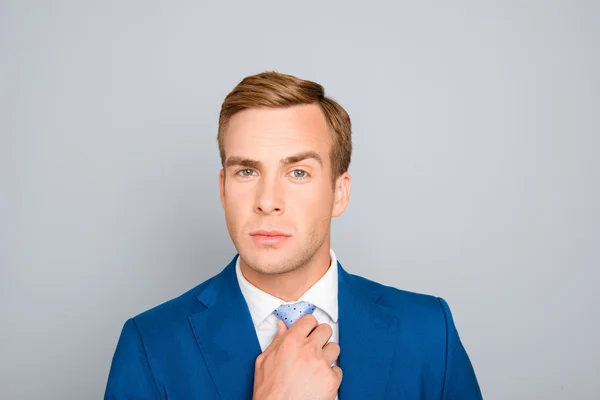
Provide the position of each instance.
(262, 133)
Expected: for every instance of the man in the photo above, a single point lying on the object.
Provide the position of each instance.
(284, 320)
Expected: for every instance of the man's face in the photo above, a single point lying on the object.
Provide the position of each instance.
(276, 186)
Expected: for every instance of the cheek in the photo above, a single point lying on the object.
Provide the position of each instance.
(236, 192)
(236, 202)
(311, 204)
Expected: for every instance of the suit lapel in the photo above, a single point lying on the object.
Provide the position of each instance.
(226, 336)
(367, 333)
(227, 339)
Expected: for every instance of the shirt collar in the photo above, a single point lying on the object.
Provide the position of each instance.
(323, 294)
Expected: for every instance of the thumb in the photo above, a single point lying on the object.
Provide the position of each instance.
(281, 330)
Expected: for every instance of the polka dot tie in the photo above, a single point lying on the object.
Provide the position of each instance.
(290, 313)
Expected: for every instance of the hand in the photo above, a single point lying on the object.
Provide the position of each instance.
(297, 364)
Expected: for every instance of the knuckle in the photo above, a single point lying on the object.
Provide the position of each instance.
(311, 350)
(334, 347)
(327, 328)
(289, 345)
(289, 342)
(311, 318)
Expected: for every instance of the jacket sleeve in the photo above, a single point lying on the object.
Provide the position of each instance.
(130, 376)
(460, 382)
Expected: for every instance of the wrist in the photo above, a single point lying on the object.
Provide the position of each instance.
(267, 394)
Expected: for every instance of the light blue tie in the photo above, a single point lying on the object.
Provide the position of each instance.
(290, 313)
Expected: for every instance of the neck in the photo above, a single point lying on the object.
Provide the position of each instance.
(290, 286)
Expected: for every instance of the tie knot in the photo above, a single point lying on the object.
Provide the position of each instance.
(290, 313)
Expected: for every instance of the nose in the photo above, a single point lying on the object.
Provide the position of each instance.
(269, 197)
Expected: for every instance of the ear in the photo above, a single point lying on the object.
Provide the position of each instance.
(222, 187)
(343, 185)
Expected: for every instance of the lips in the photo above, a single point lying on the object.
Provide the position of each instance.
(264, 237)
(269, 233)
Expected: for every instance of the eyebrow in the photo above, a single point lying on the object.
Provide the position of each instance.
(249, 163)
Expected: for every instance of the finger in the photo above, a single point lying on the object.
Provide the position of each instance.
(321, 335)
(304, 326)
(338, 373)
(281, 328)
(331, 352)
(281, 331)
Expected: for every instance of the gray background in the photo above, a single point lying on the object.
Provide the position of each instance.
(475, 171)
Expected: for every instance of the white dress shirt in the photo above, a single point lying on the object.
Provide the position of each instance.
(323, 294)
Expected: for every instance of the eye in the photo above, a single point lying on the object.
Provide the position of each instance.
(245, 172)
(299, 174)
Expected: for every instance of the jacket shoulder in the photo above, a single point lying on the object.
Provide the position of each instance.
(391, 295)
(405, 304)
(176, 310)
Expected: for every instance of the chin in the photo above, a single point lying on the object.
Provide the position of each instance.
(269, 261)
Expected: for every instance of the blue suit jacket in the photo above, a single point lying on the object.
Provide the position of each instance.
(203, 345)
